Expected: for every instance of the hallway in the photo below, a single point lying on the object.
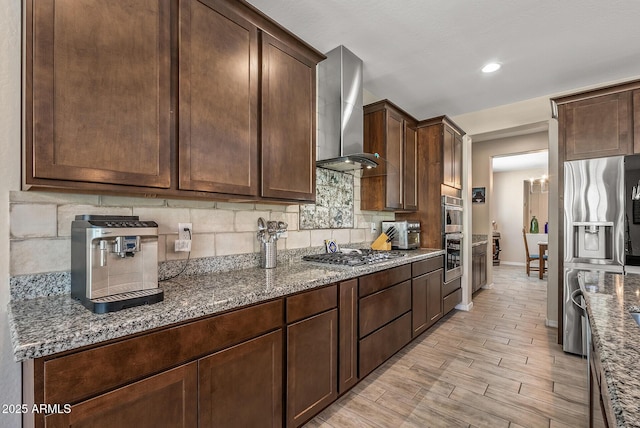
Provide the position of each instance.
(495, 366)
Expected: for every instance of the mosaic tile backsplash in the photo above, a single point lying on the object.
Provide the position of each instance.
(334, 202)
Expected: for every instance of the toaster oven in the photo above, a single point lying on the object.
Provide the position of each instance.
(407, 236)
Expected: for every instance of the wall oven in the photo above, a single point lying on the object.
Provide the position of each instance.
(452, 237)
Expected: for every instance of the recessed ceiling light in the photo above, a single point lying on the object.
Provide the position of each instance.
(491, 67)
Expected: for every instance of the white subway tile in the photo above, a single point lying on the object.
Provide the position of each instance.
(167, 218)
(270, 207)
(53, 198)
(357, 235)
(67, 213)
(203, 245)
(33, 220)
(186, 203)
(234, 243)
(212, 220)
(126, 201)
(236, 206)
(298, 239)
(341, 236)
(318, 236)
(40, 255)
(247, 221)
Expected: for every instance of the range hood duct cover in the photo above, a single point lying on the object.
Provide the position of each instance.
(340, 113)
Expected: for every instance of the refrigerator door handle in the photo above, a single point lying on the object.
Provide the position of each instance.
(574, 298)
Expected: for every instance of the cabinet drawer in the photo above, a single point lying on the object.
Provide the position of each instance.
(450, 302)
(379, 346)
(378, 309)
(450, 287)
(73, 377)
(311, 303)
(426, 266)
(369, 284)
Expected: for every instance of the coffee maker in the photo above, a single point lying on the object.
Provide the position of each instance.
(114, 262)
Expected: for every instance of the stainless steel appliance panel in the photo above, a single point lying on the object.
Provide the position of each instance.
(593, 234)
(451, 214)
(453, 256)
(594, 211)
(407, 235)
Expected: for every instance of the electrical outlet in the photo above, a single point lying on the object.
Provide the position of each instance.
(374, 229)
(183, 243)
(185, 230)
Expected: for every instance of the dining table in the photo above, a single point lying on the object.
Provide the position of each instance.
(542, 249)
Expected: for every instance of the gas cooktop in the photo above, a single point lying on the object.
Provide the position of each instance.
(353, 258)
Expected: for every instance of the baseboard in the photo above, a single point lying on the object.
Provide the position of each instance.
(512, 263)
(462, 307)
(551, 323)
(487, 286)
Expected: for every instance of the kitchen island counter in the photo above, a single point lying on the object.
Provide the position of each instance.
(616, 337)
(48, 325)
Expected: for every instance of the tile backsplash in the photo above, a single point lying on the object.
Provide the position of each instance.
(334, 202)
(40, 224)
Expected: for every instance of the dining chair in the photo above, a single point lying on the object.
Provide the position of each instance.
(531, 257)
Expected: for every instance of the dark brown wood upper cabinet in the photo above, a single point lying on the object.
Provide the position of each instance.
(218, 92)
(189, 98)
(597, 127)
(288, 125)
(97, 92)
(452, 157)
(392, 186)
(410, 181)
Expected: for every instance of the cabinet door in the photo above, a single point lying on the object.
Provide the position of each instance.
(98, 92)
(218, 91)
(597, 127)
(457, 161)
(242, 386)
(168, 399)
(348, 335)
(312, 368)
(636, 121)
(394, 155)
(448, 153)
(434, 296)
(410, 189)
(288, 122)
(418, 305)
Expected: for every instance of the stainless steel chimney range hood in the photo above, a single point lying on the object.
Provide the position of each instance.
(340, 115)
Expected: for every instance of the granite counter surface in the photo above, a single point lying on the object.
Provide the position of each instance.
(47, 325)
(616, 336)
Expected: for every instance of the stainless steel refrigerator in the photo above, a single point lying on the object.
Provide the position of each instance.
(593, 232)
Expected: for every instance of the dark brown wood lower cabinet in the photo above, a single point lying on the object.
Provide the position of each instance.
(312, 366)
(167, 399)
(426, 301)
(450, 301)
(347, 335)
(242, 386)
(383, 343)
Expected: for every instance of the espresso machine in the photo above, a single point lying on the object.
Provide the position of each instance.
(114, 262)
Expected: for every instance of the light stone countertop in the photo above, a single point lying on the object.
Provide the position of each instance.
(47, 325)
(610, 298)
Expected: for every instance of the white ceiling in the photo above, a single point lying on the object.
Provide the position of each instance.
(535, 160)
(426, 55)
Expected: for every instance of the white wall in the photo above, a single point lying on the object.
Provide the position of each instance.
(10, 60)
(507, 204)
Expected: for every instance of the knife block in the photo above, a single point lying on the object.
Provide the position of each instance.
(381, 243)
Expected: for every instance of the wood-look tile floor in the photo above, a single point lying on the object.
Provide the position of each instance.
(497, 365)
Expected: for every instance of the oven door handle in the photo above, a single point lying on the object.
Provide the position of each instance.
(454, 236)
